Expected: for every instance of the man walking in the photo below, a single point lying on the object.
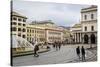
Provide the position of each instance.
(35, 50)
(78, 52)
(59, 45)
(83, 53)
(56, 46)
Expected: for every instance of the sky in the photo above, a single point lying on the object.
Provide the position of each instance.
(62, 14)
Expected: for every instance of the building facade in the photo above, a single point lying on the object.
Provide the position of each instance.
(35, 33)
(18, 24)
(52, 32)
(76, 33)
(86, 31)
(40, 31)
(89, 25)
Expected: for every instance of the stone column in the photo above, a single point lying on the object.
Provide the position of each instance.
(82, 36)
(79, 37)
(89, 39)
(76, 37)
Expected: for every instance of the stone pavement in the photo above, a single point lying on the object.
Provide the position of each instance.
(67, 54)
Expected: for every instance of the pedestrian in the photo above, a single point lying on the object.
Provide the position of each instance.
(36, 50)
(83, 53)
(59, 45)
(56, 46)
(78, 52)
(48, 47)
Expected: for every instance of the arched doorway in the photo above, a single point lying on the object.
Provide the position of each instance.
(92, 39)
(86, 38)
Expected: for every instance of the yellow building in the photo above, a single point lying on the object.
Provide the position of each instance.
(77, 33)
(66, 35)
(35, 33)
(40, 31)
(52, 32)
(18, 28)
(18, 24)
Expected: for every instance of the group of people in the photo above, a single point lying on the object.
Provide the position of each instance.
(57, 45)
(81, 53)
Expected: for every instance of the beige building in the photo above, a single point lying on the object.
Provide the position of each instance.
(86, 31)
(77, 33)
(40, 31)
(52, 32)
(18, 24)
(35, 33)
(66, 35)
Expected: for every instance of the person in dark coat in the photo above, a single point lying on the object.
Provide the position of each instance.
(35, 50)
(56, 46)
(83, 53)
(78, 52)
(59, 45)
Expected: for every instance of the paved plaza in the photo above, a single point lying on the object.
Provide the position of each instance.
(66, 54)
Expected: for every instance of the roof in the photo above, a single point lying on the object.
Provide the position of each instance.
(17, 14)
(92, 6)
(76, 26)
(42, 22)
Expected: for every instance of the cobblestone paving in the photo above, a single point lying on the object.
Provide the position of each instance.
(67, 54)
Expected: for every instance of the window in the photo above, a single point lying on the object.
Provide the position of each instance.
(33, 31)
(85, 28)
(23, 24)
(92, 28)
(85, 17)
(14, 18)
(23, 36)
(19, 19)
(92, 16)
(19, 24)
(19, 29)
(30, 30)
(27, 35)
(13, 29)
(24, 29)
(14, 23)
(19, 34)
(24, 20)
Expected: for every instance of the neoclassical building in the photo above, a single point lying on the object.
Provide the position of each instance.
(18, 24)
(76, 33)
(89, 25)
(86, 31)
(40, 31)
(51, 33)
(35, 33)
